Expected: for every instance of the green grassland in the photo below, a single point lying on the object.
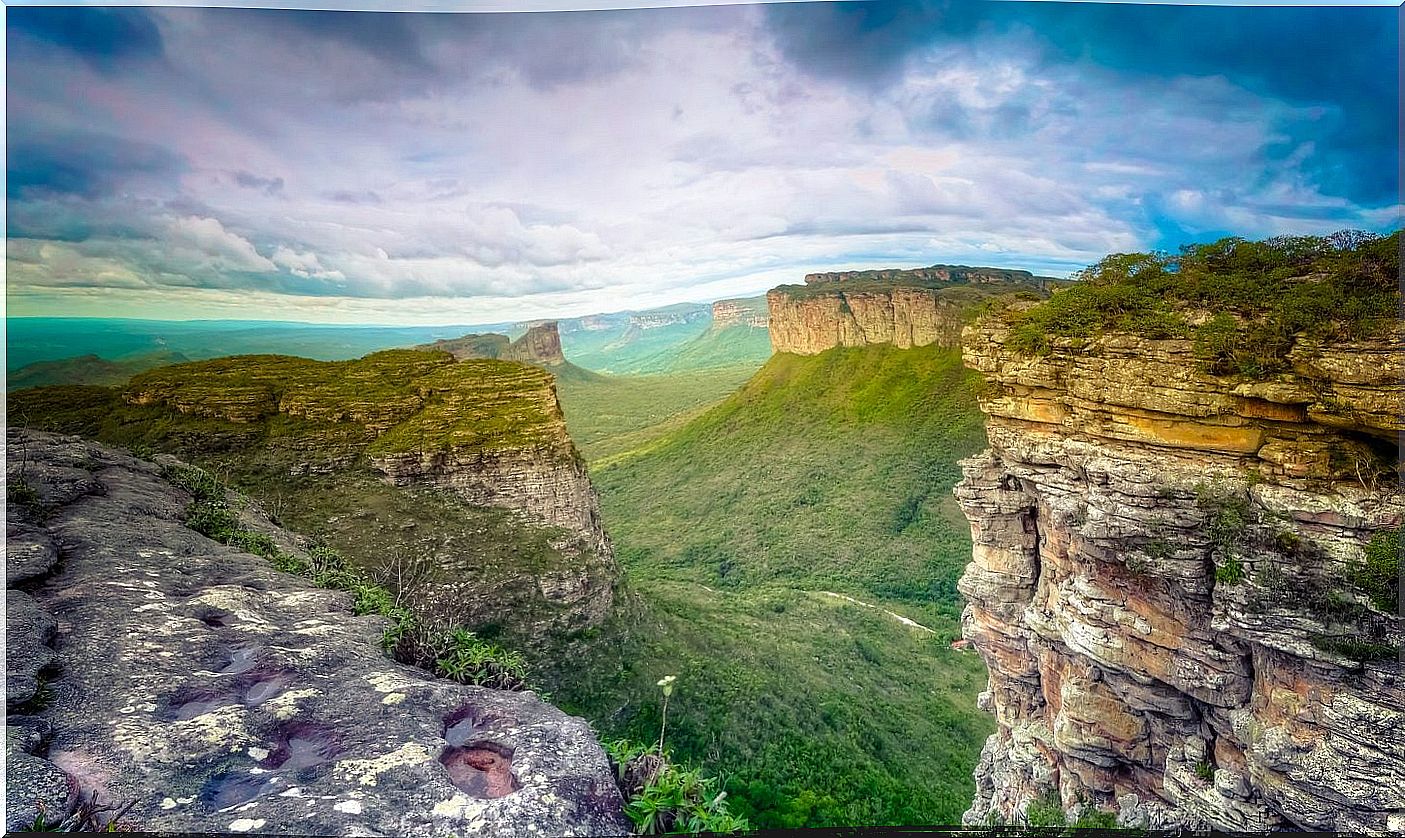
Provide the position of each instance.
(823, 473)
(608, 414)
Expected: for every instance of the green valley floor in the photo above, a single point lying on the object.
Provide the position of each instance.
(741, 531)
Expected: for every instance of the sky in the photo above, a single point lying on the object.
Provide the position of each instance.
(458, 168)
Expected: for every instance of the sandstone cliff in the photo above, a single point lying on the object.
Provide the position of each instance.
(1184, 585)
(748, 311)
(809, 319)
(150, 665)
(464, 466)
(539, 345)
(934, 273)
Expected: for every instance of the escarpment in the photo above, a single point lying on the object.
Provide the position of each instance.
(902, 308)
(1185, 585)
(196, 689)
(539, 345)
(404, 455)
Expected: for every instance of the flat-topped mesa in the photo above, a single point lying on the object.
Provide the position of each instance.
(1184, 582)
(215, 694)
(749, 311)
(490, 430)
(540, 345)
(933, 273)
(905, 308)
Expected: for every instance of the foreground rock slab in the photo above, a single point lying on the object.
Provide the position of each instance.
(224, 696)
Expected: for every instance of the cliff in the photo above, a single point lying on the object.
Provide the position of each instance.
(151, 666)
(934, 273)
(540, 345)
(465, 467)
(1185, 585)
(864, 310)
(747, 311)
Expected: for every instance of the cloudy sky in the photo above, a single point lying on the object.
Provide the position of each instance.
(458, 168)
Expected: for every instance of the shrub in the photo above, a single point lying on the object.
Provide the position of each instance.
(1045, 811)
(1379, 576)
(664, 797)
(18, 490)
(1266, 293)
(1359, 649)
(1205, 770)
(1230, 573)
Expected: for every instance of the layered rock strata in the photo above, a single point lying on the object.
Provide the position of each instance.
(152, 666)
(899, 307)
(1170, 585)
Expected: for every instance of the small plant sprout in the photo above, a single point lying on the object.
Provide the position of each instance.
(666, 683)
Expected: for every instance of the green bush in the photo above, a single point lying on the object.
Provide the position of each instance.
(1046, 811)
(17, 490)
(1359, 649)
(1230, 573)
(1339, 287)
(671, 799)
(1205, 771)
(1379, 576)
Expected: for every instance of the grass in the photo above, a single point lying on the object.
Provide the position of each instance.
(662, 797)
(1264, 295)
(831, 472)
(608, 415)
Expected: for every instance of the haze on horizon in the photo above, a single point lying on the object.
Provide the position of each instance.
(473, 168)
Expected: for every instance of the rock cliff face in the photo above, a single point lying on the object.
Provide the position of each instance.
(540, 345)
(216, 694)
(750, 311)
(1184, 586)
(861, 311)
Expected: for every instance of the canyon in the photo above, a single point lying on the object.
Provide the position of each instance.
(1177, 585)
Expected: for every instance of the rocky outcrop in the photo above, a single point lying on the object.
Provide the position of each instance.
(749, 311)
(1170, 585)
(934, 273)
(539, 345)
(215, 694)
(546, 482)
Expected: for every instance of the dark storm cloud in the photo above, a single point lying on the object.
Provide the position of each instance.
(84, 163)
(103, 38)
(267, 185)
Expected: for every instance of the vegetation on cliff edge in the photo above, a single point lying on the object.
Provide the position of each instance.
(1262, 295)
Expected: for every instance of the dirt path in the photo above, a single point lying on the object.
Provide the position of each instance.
(900, 618)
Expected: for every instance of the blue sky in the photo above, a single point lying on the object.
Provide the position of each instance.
(430, 168)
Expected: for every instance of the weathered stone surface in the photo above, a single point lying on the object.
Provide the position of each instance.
(29, 554)
(28, 631)
(1124, 672)
(32, 786)
(221, 695)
